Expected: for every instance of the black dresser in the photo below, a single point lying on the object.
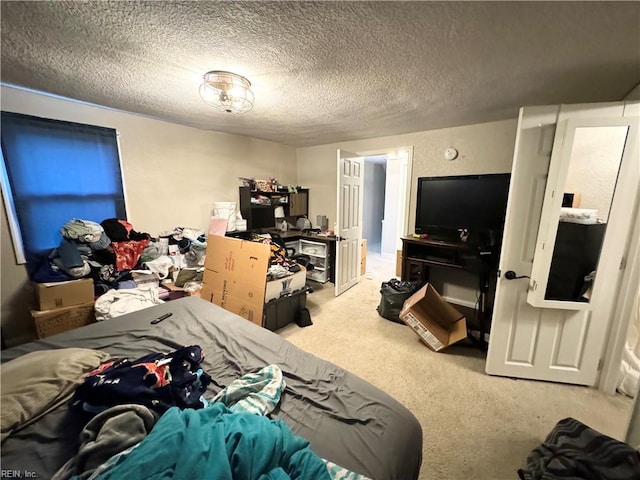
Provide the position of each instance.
(576, 254)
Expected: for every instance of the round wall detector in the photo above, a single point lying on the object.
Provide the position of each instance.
(451, 153)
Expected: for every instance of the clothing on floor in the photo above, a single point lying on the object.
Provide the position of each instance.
(573, 451)
(161, 265)
(121, 231)
(128, 253)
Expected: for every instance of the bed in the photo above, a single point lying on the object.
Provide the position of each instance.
(346, 420)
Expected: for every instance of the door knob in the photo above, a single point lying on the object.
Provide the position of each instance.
(511, 275)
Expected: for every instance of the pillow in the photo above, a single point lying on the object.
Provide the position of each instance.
(38, 382)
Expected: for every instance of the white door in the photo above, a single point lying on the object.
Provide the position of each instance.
(532, 342)
(349, 220)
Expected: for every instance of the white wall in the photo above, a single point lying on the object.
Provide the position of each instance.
(593, 166)
(484, 148)
(173, 174)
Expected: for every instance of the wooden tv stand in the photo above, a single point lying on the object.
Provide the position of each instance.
(419, 255)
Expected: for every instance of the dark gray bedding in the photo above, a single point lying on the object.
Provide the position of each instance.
(347, 420)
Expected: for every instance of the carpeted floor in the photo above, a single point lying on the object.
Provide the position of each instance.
(474, 425)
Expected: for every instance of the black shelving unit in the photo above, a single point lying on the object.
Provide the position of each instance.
(261, 215)
(419, 255)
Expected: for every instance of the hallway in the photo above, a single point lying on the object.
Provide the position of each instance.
(379, 267)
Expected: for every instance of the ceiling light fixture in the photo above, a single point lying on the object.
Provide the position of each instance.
(227, 91)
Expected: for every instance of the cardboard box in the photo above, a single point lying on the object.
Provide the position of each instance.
(436, 322)
(363, 257)
(399, 263)
(63, 294)
(235, 276)
(58, 320)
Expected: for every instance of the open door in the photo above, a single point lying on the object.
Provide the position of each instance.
(549, 341)
(349, 220)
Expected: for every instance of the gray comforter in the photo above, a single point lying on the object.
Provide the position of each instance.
(347, 420)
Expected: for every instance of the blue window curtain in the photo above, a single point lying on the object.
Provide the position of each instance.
(58, 171)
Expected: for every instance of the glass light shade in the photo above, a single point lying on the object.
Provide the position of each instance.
(227, 91)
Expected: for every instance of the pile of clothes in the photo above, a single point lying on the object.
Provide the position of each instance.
(105, 251)
(110, 251)
(281, 264)
(159, 416)
(151, 416)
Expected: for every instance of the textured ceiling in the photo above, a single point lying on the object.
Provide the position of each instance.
(324, 72)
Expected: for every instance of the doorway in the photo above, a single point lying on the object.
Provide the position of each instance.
(387, 180)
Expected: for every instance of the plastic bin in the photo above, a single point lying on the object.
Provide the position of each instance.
(284, 310)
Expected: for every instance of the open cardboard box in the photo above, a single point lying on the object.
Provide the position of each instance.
(436, 322)
(235, 277)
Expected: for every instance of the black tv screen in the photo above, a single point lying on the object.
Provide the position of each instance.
(473, 202)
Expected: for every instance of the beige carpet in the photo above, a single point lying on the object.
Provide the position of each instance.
(474, 425)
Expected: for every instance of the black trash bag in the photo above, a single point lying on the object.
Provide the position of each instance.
(394, 293)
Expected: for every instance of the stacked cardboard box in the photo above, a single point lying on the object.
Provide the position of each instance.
(62, 306)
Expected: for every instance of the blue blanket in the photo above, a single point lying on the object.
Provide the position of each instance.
(216, 443)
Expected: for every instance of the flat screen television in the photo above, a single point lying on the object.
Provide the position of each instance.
(447, 205)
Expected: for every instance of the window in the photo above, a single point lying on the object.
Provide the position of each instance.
(54, 171)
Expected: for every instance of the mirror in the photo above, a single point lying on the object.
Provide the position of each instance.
(583, 178)
(594, 163)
